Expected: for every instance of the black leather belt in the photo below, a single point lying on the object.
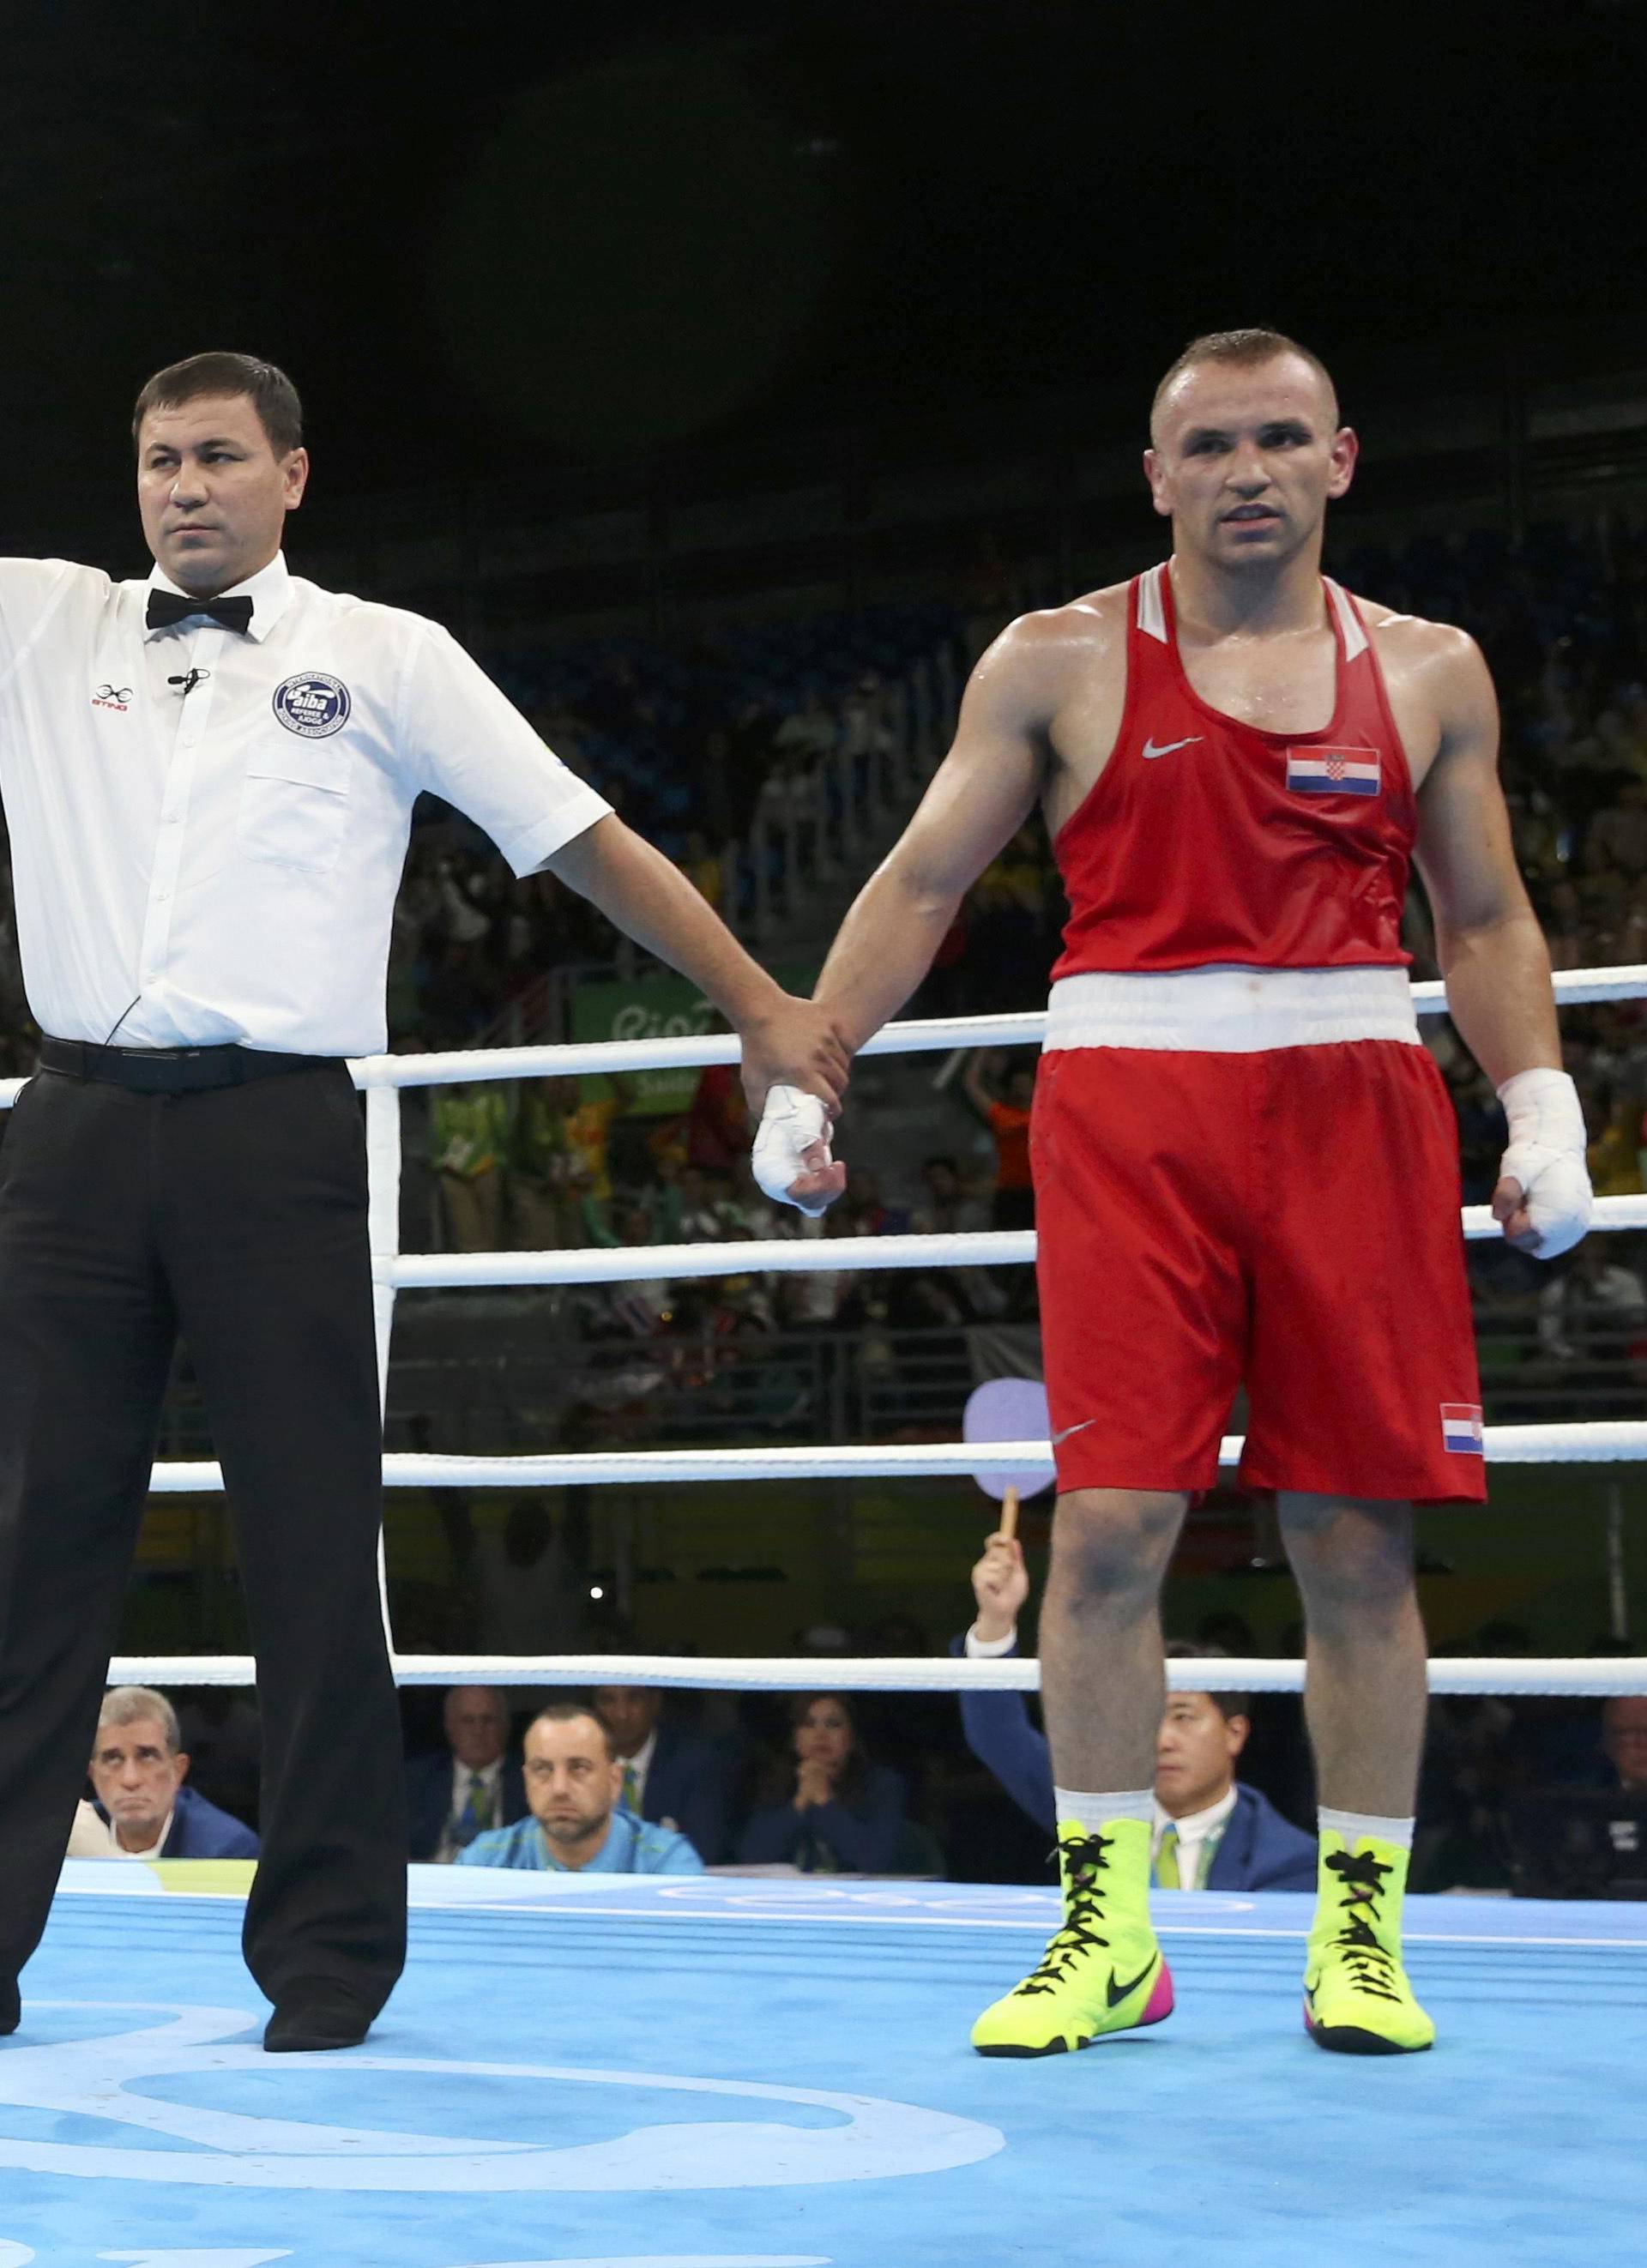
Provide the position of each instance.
(171, 1070)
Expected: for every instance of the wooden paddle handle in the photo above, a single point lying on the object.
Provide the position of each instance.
(1009, 1515)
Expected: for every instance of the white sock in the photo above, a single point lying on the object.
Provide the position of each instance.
(1095, 1811)
(1352, 1825)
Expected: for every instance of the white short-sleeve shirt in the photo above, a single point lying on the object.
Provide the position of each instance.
(214, 861)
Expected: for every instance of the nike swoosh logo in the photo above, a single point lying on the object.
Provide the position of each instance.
(1067, 1429)
(1118, 1991)
(1150, 751)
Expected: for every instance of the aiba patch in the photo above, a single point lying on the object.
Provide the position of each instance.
(312, 705)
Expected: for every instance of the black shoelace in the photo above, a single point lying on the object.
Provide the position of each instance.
(1369, 1964)
(1085, 1861)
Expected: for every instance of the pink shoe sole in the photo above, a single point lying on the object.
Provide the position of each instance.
(1160, 2002)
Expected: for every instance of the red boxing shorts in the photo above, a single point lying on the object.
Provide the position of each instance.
(1287, 1219)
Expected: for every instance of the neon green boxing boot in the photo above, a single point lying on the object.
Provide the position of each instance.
(1103, 1971)
(1357, 1999)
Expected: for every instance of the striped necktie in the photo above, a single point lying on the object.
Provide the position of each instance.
(631, 1789)
(476, 1815)
(1166, 1861)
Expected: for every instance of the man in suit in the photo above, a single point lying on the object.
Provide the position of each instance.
(1210, 1831)
(137, 1772)
(670, 1777)
(471, 1785)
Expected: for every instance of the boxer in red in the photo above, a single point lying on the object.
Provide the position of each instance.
(1245, 1160)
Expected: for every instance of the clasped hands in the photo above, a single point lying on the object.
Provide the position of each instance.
(795, 1070)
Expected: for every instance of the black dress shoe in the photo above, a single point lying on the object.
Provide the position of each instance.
(313, 2017)
(10, 2008)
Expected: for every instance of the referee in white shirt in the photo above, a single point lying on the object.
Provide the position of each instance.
(208, 780)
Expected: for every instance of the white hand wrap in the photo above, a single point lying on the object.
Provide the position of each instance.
(1547, 1156)
(790, 1124)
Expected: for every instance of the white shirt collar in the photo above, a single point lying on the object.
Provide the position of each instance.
(641, 1763)
(269, 590)
(1196, 1825)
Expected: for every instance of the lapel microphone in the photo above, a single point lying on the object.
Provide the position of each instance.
(189, 683)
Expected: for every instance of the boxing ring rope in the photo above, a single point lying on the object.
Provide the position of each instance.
(381, 1077)
(1598, 1442)
(1582, 1677)
(790, 1255)
(1574, 988)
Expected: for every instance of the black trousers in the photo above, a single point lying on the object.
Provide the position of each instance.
(237, 1218)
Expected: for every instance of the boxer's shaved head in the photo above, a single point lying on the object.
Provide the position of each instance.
(1246, 349)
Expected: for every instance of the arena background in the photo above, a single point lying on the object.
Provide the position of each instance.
(725, 377)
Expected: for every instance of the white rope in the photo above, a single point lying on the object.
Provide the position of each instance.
(922, 1035)
(773, 1255)
(1609, 1441)
(790, 1255)
(833, 1673)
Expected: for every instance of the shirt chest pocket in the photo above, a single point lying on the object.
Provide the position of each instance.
(295, 801)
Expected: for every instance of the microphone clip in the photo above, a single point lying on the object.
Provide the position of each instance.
(194, 678)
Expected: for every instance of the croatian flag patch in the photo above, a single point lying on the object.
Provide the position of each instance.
(1333, 771)
(1461, 1429)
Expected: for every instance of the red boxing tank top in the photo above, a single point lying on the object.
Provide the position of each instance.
(1205, 840)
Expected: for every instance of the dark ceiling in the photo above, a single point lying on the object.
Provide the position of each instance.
(490, 239)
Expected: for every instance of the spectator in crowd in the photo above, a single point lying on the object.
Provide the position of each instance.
(1212, 1832)
(1593, 1307)
(1004, 1107)
(470, 1129)
(690, 1212)
(634, 1307)
(866, 727)
(704, 869)
(577, 1824)
(138, 1769)
(809, 732)
(528, 1595)
(814, 1299)
(951, 1295)
(671, 1777)
(469, 1786)
(1012, 932)
(748, 747)
(825, 1807)
(1624, 1740)
(1615, 1153)
(950, 1209)
(560, 1157)
(546, 1211)
(717, 1123)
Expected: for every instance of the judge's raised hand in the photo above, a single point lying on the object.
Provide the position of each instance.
(1000, 1583)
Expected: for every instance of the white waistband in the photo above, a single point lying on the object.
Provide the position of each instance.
(1235, 1011)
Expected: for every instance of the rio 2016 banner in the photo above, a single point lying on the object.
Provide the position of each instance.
(654, 1008)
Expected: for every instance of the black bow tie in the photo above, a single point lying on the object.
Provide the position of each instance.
(164, 609)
